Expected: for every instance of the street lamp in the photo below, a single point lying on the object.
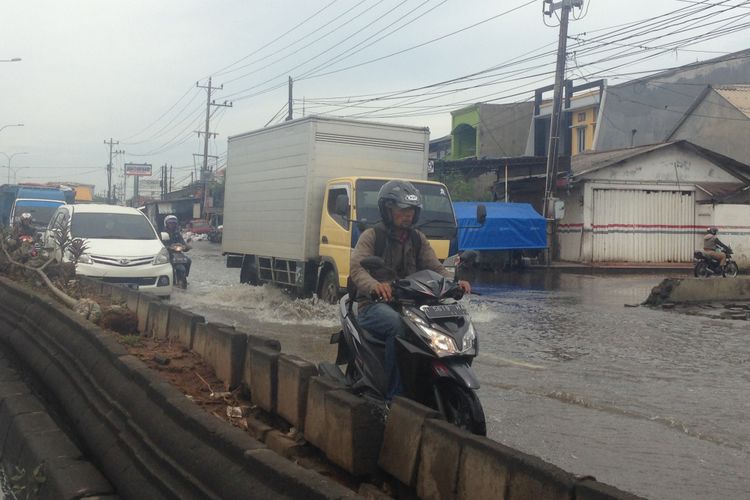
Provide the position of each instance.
(15, 171)
(10, 158)
(12, 125)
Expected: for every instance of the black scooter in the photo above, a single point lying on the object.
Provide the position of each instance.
(706, 266)
(180, 264)
(434, 358)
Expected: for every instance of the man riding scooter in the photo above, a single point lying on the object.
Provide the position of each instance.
(172, 227)
(713, 247)
(405, 250)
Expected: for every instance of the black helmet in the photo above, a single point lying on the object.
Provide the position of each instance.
(712, 230)
(398, 194)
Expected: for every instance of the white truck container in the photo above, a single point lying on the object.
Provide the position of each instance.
(277, 188)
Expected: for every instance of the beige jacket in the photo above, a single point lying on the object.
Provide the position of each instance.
(398, 256)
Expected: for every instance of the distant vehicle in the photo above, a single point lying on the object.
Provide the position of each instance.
(299, 194)
(122, 246)
(198, 226)
(40, 201)
(706, 266)
(216, 234)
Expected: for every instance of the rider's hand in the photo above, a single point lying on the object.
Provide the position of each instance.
(384, 291)
(465, 286)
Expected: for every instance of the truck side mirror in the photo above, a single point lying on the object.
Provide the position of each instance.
(481, 214)
(342, 205)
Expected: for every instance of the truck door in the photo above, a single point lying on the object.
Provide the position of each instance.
(335, 232)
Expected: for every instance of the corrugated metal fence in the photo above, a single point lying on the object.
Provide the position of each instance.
(643, 226)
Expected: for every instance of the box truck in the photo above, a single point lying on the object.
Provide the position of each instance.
(299, 194)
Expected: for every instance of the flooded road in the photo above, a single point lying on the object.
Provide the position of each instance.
(649, 401)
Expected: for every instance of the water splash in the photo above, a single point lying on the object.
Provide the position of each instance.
(267, 304)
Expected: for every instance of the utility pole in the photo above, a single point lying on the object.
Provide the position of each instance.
(170, 178)
(553, 148)
(206, 134)
(109, 169)
(291, 102)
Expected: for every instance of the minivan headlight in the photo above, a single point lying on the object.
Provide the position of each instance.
(162, 257)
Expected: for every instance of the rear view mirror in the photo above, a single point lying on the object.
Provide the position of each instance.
(164, 236)
(342, 205)
(481, 214)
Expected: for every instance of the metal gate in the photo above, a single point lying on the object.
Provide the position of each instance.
(643, 226)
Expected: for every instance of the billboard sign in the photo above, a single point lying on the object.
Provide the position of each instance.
(139, 169)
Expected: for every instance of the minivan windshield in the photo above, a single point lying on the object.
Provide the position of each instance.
(436, 220)
(111, 226)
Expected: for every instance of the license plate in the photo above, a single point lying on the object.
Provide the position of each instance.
(179, 259)
(445, 311)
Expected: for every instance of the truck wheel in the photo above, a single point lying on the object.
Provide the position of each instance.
(329, 288)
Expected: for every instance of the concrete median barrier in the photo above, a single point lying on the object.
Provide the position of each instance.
(144, 301)
(399, 455)
(355, 432)
(157, 324)
(119, 294)
(137, 426)
(131, 301)
(316, 431)
(182, 325)
(294, 375)
(256, 341)
(439, 457)
(264, 376)
(590, 489)
(225, 353)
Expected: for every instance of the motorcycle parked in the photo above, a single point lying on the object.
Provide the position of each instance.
(434, 358)
(706, 266)
(180, 263)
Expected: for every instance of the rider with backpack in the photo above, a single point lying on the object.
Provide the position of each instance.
(405, 250)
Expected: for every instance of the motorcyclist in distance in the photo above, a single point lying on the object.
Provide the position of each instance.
(24, 226)
(406, 251)
(172, 227)
(713, 247)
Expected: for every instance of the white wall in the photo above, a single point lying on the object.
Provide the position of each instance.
(733, 222)
(570, 228)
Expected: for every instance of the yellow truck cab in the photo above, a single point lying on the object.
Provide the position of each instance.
(298, 195)
(351, 205)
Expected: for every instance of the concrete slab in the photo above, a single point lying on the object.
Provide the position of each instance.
(182, 325)
(131, 301)
(225, 353)
(483, 469)
(355, 432)
(399, 454)
(256, 340)
(144, 301)
(119, 295)
(315, 412)
(439, 458)
(157, 323)
(199, 339)
(264, 377)
(294, 375)
(687, 290)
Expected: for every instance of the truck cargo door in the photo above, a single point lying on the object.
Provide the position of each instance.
(335, 228)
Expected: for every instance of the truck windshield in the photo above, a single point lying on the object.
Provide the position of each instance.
(437, 211)
(41, 213)
(111, 226)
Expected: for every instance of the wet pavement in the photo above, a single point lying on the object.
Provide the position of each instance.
(648, 400)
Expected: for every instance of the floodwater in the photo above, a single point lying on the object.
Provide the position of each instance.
(650, 401)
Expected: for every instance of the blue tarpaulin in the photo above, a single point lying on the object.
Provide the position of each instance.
(509, 226)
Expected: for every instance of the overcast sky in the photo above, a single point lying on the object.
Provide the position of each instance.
(92, 70)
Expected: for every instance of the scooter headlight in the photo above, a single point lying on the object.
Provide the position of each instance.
(442, 344)
(162, 257)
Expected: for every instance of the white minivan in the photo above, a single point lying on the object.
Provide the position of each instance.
(121, 246)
